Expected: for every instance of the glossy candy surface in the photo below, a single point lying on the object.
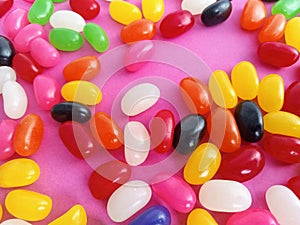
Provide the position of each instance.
(289, 8)
(74, 216)
(1, 212)
(153, 9)
(200, 216)
(6, 73)
(5, 6)
(40, 11)
(291, 100)
(292, 32)
(96, 36)
(155, 215)
(88, 9)
(294, 185)
(7, 51)
(216, 13)
(67, 19)
(15, 222)
(14, 22)
(7, 128)
(196, 7)
(124, 12)
(254, 15)
(273, 30)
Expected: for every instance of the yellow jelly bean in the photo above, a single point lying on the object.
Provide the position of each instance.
(270, 94)
(1, 212)
(28, 205)
(124, 12)
(284, 123)
(75, 216)
(18, 173)
(153, 9)
(200, 216)
(81, 91)
(245, 80)
(221, 90)
(292, 33)
(202, 164)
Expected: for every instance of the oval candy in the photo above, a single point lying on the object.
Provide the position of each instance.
(7, 128)
(291, 100)
(200, 216)
(67, 19)
(196, 7)
(124, 12)
(294, 184)
(254, 15)
(216, 13)
(96, 36)
(6, 73)
(74, 216)
(88, 9)
(273, 30)
(7, 51)
(1, 211)
(40, 11)
(292, 32)
(5, 6)
(15, 222)
(289, 8)
(153, 9)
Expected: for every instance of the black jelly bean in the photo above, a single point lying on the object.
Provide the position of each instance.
(188, 133)
(269, 0)
(7, 51)
(216, 13)
(249, 119)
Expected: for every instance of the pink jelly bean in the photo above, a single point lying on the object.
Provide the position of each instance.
(7, 129)
(15, 21)
(26, 35)
(46, 91)
(44, 53)
(175, 192)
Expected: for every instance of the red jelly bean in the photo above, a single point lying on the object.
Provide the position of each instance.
(88, 9)
(291, 98)
(77, 139)
(273, 30)
(243, 164)
(294, 185)
(176, 23)
(7, 129)
(277, 54)
(107, 178)
(5, 6)
(26, 68)
(282, 148)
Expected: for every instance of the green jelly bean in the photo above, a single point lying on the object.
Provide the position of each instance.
(40, 11)
(289, 8)
(59, 0)
(96, 36)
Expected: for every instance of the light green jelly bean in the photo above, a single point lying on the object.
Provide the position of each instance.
(96, 36)
(40, 11)
(65, 39)
(289, 8)
(59, 1)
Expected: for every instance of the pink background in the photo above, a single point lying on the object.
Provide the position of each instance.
(64, 177)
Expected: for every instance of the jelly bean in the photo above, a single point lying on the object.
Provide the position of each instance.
(289, 8)
(283, 204)
(46, 91)
(1, 212)
(28, 205)
(176, 23)
(162, 131)
(124, 12)
(139, 98)
(65, 39)
(282, 148)
(136, 143)
(155, 215)
(6, 73)
(223, 130)
(225, 196)
(243, 164)
(128, 199)
(273, 30)
(77, 139)
(252, 216)
(292, 33)
(14, 22)
(294, 184)
(277, 54)
(14, 99)
(221, 89)
(96, 36)
(26, 67)
(254, 15)
(26, 35)
(200, 216)
(216, 13)
(188, 133)
(29, 135)
(40, 11)
(15, 222)
(291, 99)
(7, 51)
(244, 80)
(67, 19)
(202, 164)
(67, 111)
(74, 216)
(88, 9)
(7, 128)
(153, 9)
(5, 6)
(81, 91)
(107, 178)
(84, 68)
(196, 95)
(18, 172)
(250, 121)
(196, 7)
(106, 131)
(138, 30)
(182, 198)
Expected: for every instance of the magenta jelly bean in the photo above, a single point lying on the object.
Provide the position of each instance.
(14, 22)
(26, 35)
(291, 98)
(7, 129)
(44, 53)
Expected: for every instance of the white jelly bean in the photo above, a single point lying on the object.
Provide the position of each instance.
(6, 73)
(196, 6)
(128, 199)
(14, 99)
(139, 98)
(284, 205)
(67, 19)
(136, 142)
(15, 222)
(225, 196)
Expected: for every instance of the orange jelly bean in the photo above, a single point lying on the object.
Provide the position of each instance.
(138, 30)
(273, 30)
(28, 135)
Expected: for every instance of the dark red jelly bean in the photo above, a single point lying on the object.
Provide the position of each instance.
(216, 13)
(294, 185)
(88, 9)
(291, 98)
(7, 51)
(5, 6)
(277, 54)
